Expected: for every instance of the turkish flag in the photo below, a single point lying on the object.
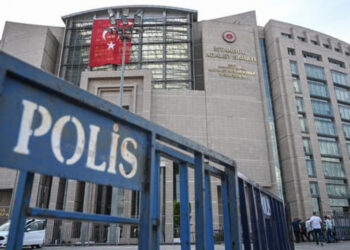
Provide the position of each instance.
(106, 46)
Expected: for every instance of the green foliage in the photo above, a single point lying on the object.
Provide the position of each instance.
(177, 217)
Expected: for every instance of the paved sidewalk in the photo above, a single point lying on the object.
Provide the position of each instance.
(344, 245)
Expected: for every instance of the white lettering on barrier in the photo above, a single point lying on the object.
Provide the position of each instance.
(26, 132)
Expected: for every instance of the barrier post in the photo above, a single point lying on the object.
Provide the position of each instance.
(147, 199)
(199, 201)
(184, 208)
(208, 214)
(244, 216)
(18, 217)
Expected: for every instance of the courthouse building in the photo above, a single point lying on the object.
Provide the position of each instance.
(274, 98)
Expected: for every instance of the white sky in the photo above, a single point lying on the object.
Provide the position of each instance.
(331, 17)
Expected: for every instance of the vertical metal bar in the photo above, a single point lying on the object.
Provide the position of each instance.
(233, 209)
(155, 211)
(208, 214)
(184, 209)
(261, 222)
(84, 225)
(122, 74)
(145, 237)
(199, 201)
(280, 226)
(284, 225)
(244, 216)
(275, 222)
(18, 217)
(224, 197)
(2, 79)
(254, 222)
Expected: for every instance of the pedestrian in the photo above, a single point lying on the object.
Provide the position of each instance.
(303, 231)
(309, 229)
(296, 229)
(316, 225)
(329, 229)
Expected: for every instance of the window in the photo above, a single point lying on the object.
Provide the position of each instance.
(310, 167)
(332, 168)
(326, 45)
(347, 53)
(314, 189)
(296, 84)
(321, 107)
(291, 52)
(300, 38)
(346, 128)
(314, 42)
(337, 49)
(339, 202)
(339, 191)
(343, 95)
(306, 146)
(294, 68)
(339, 78)
(286, 35)
(328, 146)
(318, 89)
(303, 123)
(336, 63)
(315, 72)
(325, 126)
(344, 112)
(348, 146)
(312, 56)
(300, 104)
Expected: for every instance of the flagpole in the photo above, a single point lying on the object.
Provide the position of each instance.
(114, 234)
(122, 73)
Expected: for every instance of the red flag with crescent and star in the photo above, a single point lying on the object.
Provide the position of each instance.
(106, 46)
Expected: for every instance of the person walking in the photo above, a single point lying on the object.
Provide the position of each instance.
(309, 229)
(296, 229)
(303, 231)
(316, 224)
(329, 230)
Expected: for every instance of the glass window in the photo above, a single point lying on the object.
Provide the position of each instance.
(300, 38)
(332, 167)
(312, 56)
(339, 202)
(310, 166)
(296, 85)
(152, 52)
(286, 35)
(294, 68)
(337, 191)
(315, 205)
(336, 62)
(328, 146)
(318, 89)
(300, 104)
(344, 112)
(291, 52)
(340, 78)
(303, 123)
(346, 128)
(343, 95)
(321, 107)
(325, 126)
(315, 72)
(306, 146)
(314, 189)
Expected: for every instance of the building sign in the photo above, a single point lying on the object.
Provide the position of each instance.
(48, 133)
(232, 71)
(231, 56)
(229, 36)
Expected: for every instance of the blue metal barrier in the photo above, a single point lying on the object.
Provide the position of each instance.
(35, 108)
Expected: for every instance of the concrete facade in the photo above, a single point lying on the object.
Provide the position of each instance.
(228, 108)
